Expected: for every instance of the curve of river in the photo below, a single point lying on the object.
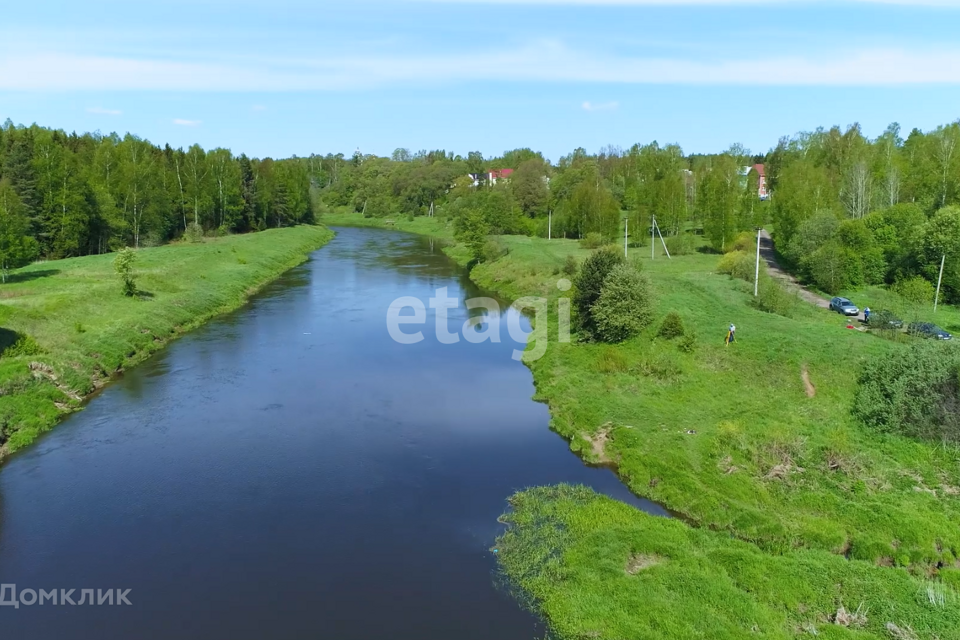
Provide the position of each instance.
(289, 471)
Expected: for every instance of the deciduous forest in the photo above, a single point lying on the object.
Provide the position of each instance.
(845, 210)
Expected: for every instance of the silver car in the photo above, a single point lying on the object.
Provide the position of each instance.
(844, 306)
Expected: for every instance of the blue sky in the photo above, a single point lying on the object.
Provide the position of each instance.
(295, 76)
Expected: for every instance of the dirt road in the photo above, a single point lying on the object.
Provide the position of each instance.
(773, 267)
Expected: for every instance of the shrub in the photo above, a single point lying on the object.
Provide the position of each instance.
(916, 292)
(494, 249)
(471, 228)
(672, 326)
(589, 283)
(834, 267)
(123, 263)
(913, 392)
(193, 233)
(592, 240)
(681, 245)
(745, 242)
(773, 297)
(737, 264)
(570, 266)
(24, 345)
(625, 305)
(688, 343)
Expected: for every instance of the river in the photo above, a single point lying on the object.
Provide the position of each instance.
(289, 471)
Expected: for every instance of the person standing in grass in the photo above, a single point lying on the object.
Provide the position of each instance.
(866, 315)
(732, 333)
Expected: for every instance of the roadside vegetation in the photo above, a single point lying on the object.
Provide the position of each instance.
(757, 440)
(69, 325)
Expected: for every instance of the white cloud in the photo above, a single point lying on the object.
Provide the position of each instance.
(539, 61)
(104, 112)
(600, 106)
(186, 123)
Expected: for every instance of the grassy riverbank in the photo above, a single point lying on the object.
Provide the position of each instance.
(733, 437)
(81, 330)
(597, 568)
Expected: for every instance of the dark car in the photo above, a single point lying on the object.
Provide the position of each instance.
(928, 330)
(884, 319)
(844, 306)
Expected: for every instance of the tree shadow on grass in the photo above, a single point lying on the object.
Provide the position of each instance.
(7, 338)
(26, 276)
(144, 295)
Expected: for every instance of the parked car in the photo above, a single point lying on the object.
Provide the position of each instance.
(928, 330)
(884, 319)
(844, 306)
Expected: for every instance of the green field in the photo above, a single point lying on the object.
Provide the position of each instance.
(82, 330)
(730, 437)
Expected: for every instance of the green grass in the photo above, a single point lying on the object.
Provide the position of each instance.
(727, 436)
(85, 330)
(597, 568)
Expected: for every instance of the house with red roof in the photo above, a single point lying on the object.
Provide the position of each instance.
(762, 181)
(490, 177)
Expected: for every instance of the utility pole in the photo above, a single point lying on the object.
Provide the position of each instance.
(653, 237)
(626, 222)
(756, 281)
(936, 301)
(549, 224)
(663, 242)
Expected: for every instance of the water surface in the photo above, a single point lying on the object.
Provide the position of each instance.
(289, 471)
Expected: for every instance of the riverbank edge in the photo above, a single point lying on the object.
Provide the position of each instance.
(75, 401)
(534, 570)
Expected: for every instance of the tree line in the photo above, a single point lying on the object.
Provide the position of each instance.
(64, 195)
(845, 210)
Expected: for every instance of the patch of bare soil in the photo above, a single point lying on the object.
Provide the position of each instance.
(598, 443)
(41, 370)
(901, 633)
(783, 470)
(726, 465)
(640, 561)
(807, 385)
(846, 618)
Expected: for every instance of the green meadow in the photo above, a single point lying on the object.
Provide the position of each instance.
(67, 327)
(753, 444)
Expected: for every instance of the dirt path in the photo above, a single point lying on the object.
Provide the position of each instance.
(807, 385)
(773, 267)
